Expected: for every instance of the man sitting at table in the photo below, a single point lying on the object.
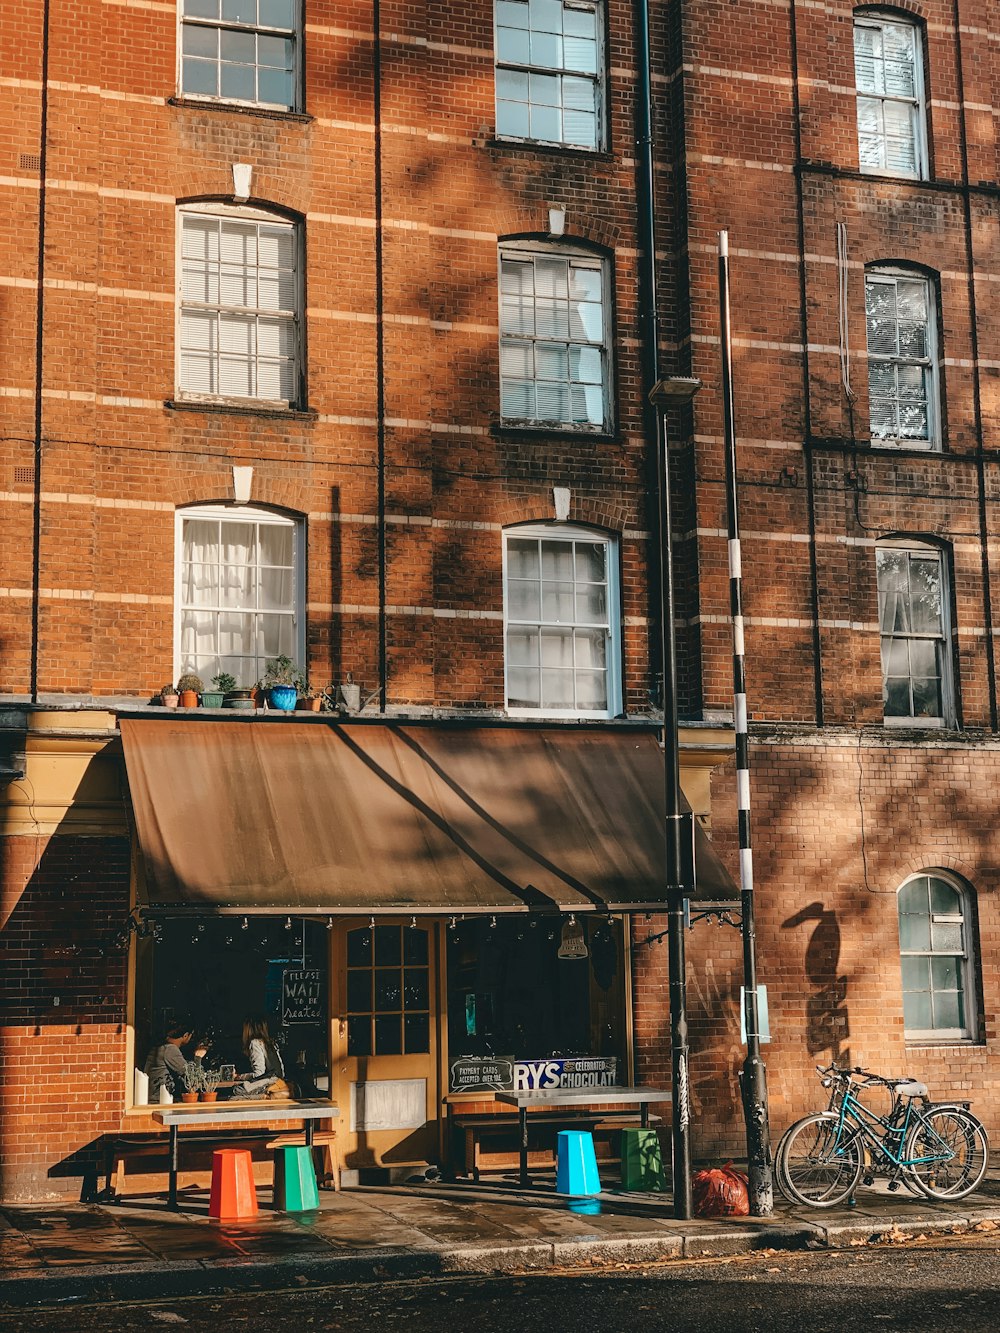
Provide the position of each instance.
(165, 1063)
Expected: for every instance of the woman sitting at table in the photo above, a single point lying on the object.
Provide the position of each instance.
(267, 1072)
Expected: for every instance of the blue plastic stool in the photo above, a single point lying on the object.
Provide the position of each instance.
(576, 1163)
(295, 1179)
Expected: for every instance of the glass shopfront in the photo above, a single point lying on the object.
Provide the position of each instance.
(536, 991)
(211, 974)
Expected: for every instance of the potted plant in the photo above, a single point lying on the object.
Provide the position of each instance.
(190, 687)
(223, 683)
(282, 679)
(309, 700)
(193, 1079)
(169, 696)
(210, 1080)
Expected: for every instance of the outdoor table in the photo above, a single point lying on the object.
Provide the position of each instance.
(613, 1096)
(308, 1110)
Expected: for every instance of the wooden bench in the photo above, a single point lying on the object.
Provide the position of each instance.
(477, 1132)
(120, 1149)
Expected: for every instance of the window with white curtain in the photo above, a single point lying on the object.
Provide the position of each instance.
(240, 594)
(561, 615)
(937, 956)
(916, 635)
(240, 306)
(901, 323)
(554, 340)
(549, 65)
(888, 72)
(241, 51)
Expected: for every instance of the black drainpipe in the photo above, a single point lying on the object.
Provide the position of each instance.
(36, 520)
(383, 665)
(970, 259)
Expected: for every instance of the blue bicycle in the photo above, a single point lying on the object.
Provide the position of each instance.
(937, 1149)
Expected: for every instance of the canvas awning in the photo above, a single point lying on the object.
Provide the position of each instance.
(365, 817)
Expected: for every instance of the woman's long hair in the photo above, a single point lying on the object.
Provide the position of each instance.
(255, 1029)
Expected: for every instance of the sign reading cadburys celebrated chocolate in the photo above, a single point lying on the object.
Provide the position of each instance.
(502, 1074)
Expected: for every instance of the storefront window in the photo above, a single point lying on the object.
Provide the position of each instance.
(510, 994)
(213, 973)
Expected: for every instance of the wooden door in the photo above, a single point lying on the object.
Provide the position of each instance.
(385, 1042)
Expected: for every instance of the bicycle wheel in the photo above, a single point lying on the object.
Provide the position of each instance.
(947, 1152)
(819, 1166)
(779, 1153)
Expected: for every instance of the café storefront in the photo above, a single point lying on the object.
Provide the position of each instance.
(424, 912)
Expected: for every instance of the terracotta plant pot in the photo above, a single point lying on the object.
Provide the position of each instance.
(169, 700)
(208, 1096)
(189, 1096)
(189, 698)
(312, 704)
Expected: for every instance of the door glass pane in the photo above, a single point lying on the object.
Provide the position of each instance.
(359, 1035)
(418, 1034)
(359, 948)
(388, 995)
(388, 1035)
(415, 947)
(388, 952)
(359, 992)
(415, 989)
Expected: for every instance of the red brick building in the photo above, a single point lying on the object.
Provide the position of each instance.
(323, 338)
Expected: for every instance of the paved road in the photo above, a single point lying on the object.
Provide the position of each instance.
(935, 1288)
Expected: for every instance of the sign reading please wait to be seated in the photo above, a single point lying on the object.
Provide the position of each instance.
(502, 1074)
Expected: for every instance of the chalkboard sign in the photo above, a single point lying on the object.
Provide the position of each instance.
(473, 1073)
(301, 995)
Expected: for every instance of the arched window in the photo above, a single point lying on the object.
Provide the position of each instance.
(901, 322)
(914, 622)
(889, 75)
(240, 595)
(937, 952)
(554, 337)
(562, 629)
(240, 297)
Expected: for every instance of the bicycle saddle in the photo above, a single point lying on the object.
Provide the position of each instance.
(910, 1088)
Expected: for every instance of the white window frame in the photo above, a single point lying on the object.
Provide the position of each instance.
(613, 643)
(294, 34)
(598, 79)
(575, 256)
(945, 638)
(243, 514)
(226, 212)
(918, 103)
(929, 363)
(968, 959)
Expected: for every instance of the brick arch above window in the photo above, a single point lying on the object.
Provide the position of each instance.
(583, 226)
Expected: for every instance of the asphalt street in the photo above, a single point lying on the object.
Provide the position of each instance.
(940, 1285)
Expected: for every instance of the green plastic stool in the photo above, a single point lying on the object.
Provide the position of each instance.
(295, 1179)
(642, 1161)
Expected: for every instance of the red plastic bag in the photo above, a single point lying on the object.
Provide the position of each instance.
(721, 1192)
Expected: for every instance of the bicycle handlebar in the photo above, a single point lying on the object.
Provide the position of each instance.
(871, 1079)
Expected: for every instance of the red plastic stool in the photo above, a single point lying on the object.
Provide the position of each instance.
(234, 1198)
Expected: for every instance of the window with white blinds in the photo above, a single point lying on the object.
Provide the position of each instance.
(239, 594)
(888, 71)
(549, 65)
(239, 318)
(916, 635)
(901, 324)
(241, 51)
(562, 644)
(553, 338)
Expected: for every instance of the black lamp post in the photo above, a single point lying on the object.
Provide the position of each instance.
(679, 823)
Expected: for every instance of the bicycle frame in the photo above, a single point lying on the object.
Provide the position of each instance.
(857, 1121)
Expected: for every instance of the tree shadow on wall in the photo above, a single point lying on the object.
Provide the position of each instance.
(827, 1025)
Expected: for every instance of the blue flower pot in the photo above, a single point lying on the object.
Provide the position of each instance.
(283, 697)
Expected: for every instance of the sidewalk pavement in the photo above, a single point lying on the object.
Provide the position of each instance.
(140, 1250)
